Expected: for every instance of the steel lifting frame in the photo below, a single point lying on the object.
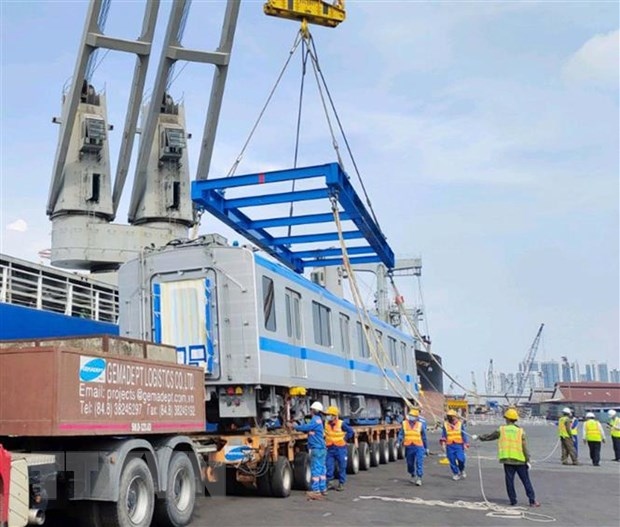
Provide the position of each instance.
(211, 196)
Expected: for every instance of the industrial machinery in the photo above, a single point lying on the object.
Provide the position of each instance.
(522, 379)
(126, 438)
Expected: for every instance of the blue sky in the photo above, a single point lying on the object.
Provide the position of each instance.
(486, 133)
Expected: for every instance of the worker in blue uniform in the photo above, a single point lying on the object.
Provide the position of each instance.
(574, 431)
(412, 436)
(454, 440)
(337, 433)
(318, 453)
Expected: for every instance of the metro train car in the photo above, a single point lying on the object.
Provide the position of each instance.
(270, 340)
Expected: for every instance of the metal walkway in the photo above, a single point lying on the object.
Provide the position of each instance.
(333, 182)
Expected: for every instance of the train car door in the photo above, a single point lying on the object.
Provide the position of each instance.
(185, 316)
(294, 333)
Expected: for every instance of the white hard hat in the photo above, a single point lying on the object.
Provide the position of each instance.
(590, 415)
(611, 412)
(316, 405)
(566, 411)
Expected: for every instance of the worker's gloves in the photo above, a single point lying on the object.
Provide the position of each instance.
(529, 466)
(474, 437)
(427, 451)
(466, 446)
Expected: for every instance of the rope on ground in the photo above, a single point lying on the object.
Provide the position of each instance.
(498, 511)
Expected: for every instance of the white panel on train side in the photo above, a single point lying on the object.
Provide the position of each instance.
(184, 316)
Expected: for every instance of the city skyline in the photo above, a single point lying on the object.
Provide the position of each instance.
(544, 374)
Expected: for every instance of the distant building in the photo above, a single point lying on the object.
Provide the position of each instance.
(550, 373)
(566, 373)
(603, 372)
(576, 371)
(590, 373)
(583, 396)
(614, 375)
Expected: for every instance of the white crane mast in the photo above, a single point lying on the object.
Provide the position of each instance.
(81, 202)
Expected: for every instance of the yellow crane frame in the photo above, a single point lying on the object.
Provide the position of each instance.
(307, 11)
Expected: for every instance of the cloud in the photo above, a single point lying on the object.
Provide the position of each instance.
(596, 62)
(18, 226)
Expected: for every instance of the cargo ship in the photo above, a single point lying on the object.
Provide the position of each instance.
(38, 301)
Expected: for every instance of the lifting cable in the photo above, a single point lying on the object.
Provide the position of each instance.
(417, 334)
(495, 511)
(296, 42)
(309, 50)
(365, 320)
(304, 64)
(373, 343)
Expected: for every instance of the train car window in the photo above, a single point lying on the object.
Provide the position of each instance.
(345, 338)
(403, 354)
(321, 318)
(379, 341)
(363, 343)
(392, 349)
(293, 313)
(269, 306)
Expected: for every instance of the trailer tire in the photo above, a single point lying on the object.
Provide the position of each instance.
(263, 483)
(401, 451)
(353, 459)
(364, 452)
(281, 478)
(136, 501)
(302, 475)
(393, 448)
(384, 452)
(375, 456)
(177, 507)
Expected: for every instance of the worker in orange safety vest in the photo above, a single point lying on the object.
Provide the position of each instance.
(412, 436)
(454, 441)
(337, 433)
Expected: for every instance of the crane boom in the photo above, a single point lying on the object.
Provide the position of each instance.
(529, 360)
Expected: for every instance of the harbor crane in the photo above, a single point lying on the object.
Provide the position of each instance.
(490, 387)
(527, 364)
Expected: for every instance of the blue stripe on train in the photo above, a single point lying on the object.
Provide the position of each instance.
(297, 352)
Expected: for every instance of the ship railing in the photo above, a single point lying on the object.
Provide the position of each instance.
(30, 285)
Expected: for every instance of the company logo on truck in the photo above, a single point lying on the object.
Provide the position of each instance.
(92, 369)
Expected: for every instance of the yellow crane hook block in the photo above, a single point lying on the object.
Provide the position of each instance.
(312, 11)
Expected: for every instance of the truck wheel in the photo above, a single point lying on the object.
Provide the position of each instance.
(263, 483)
(302, 476)
(384, 451)
(401, 451)
(177, 507)
(353, 459)
(136, 499)
(281, 478)
(393, 448)
(375, 456)
(364, 452)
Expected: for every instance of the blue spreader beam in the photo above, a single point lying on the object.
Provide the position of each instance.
(210, 195)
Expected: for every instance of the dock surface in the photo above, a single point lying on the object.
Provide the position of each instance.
(581, 495)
